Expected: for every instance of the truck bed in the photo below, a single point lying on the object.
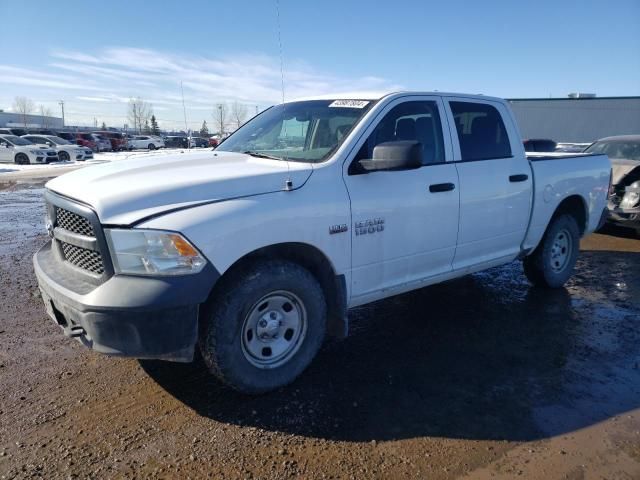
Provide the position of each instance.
(584, 175)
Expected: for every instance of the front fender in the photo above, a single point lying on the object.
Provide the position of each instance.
(227, 231)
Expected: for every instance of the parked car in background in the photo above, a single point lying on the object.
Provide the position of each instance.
(198, 142)
(68, 136)
(213, 142)
(117, 139)
(18, 132)
(149, 142)
(175, 141)
(624, 199)
(86, 140)
(14, 149)
(103, 144)
(66, 150)
(41, 131)
(539, 145)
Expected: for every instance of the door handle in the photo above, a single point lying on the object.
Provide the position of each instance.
(441, 187)
(522, 177)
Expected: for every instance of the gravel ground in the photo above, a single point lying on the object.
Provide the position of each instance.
(481, 377)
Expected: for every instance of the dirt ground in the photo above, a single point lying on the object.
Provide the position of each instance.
(481, 377)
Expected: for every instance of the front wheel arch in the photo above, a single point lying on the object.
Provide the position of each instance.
(313, 259)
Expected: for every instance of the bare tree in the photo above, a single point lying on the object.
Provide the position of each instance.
(220, 117)
(238, 113)
(45, 114)
(24, 106)
(139, 113)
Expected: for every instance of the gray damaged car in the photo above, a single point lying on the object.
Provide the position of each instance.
(624, 199)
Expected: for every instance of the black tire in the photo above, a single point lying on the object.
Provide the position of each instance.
(22, 159)
(64, 156)
(151, 146)
(224, 331)
(549, 266)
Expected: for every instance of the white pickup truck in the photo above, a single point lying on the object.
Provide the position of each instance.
(256, 250)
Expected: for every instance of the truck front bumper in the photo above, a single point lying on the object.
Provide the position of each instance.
(131, 316)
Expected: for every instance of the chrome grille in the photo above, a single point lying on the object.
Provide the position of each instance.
(83, 258)
(73, 222)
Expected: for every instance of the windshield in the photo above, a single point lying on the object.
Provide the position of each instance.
(307, 131)
(621, 149)
(17, 140)
(58, 140)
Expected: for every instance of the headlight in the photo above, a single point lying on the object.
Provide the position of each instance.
(152, 252)
(632, 196)
(37, 152)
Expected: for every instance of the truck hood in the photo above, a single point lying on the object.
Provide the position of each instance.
(126, 191)
(621, 168)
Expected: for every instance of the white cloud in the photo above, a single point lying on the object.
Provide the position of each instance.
(100, 83)
(93, 99)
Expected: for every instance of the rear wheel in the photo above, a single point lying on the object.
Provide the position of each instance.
(264, 326)
(64, 156)
(552, 262)
(22, 159)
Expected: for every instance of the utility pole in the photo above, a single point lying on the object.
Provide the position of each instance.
(61, 103)
(184, 110)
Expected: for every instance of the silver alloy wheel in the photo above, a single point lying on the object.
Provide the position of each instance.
(274, 329)
(561, 251)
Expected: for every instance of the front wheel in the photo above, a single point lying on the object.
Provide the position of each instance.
(151, 146)
(64, 156)
(263, 326)
(22, 159)
(551, 264)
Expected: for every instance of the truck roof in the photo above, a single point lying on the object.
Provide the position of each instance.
(376, 95)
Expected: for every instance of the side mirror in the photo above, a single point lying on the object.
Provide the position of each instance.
(398, 155)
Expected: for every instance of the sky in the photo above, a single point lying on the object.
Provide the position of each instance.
(97, 58)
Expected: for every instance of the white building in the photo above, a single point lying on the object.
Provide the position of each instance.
(582, 119)
(8, 119)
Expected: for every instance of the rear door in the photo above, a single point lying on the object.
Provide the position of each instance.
(495, 182)
(404, 223)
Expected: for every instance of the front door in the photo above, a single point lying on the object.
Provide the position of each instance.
(404, 223)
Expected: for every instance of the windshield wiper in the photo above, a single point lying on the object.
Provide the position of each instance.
(253, 153)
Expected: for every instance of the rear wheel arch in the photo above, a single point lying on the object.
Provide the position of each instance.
(576, 206)
(317, 263)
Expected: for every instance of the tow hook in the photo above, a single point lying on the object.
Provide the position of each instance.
(74, 331)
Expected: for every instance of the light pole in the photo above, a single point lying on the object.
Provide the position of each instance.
(221, 121)
(61, 103)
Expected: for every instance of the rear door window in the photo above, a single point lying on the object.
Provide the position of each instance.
(481, 131)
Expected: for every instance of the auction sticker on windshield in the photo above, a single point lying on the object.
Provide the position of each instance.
(350, 103)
